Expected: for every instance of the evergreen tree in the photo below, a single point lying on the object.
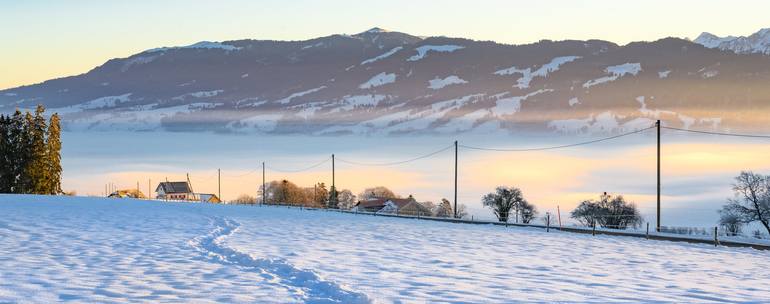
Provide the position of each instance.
(36, 168)
(5, 164)
(18, 151)
(333, 199)
(30, 153)
(54, 156)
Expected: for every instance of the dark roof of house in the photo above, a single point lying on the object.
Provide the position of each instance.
(174, 187)
(380, 202)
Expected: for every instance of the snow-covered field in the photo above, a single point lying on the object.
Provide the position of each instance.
(103, 250)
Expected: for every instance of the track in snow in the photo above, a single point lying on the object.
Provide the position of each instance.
(307, 285)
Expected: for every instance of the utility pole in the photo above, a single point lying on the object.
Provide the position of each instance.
(455, 209)
(333, 202)
(149, 187)
(264, 188)
(219, 183)
(657, 124)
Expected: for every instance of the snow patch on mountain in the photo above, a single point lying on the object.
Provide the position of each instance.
(249, 102)
(200, 94)
(379, 80)
(351, 102)
(604, 123)
(664, 74)
(138, 60)
(438, 83)
(615, 71)
(383, 56)
(758, 42)
(139, 118)
(573, 101)
(527, 75)
(709, 74)
(423, 51)
(200, 45)
(424, 119)
(686, 121)
(307, 110)
(512, 105)
(712, 41)
(299, 94)
(264, 122)
(463, 123)
(98, 103)
(320, 44)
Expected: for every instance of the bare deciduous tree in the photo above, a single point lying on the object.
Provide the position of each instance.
(752, 199)
(346, 199)
(245, 199)
(444, 209)
(379, 191)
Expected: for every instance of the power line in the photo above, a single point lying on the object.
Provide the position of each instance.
(718, 133)
(302, 169)
(205, 178)
(558, 147)
(397, 162)
(240, 175)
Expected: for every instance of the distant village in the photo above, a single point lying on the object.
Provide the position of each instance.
(375, 200)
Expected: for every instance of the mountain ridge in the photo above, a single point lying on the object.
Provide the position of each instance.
(391, 83)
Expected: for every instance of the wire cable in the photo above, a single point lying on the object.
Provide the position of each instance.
(718, 133)
(397, 162)
(204, 179)
(240, 175)
(299, 170)
(558, 147)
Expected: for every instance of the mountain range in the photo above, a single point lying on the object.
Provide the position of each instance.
(380, 82)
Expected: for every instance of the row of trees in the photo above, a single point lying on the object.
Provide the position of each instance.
(285, 192)
(608, 212)
(750, 204)
(30, 153)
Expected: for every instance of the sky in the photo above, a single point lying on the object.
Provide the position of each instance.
(43, 39)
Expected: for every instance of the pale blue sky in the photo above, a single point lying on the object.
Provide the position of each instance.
(46, 39)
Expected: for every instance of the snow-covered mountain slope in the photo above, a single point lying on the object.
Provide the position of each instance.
(97, 250)
(380, 82)
(758, 42)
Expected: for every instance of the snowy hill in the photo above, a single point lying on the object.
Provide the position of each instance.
(381, 82)
(78, 249)
(758, 42)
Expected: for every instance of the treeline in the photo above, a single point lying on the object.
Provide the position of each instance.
(609, 211)
(30, 153)
(285, 192)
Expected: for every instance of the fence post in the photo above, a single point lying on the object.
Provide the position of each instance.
(593, 232)
(648, 230)
(716, 238)
(547, 222)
